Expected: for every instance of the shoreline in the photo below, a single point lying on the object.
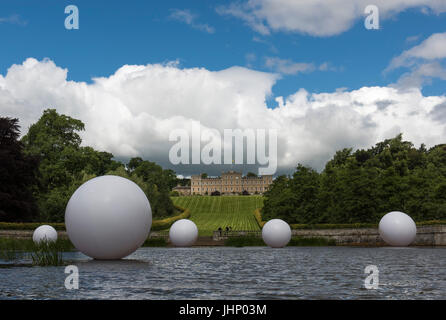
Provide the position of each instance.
(427, 236)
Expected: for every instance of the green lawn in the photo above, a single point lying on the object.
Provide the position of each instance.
(209, 212)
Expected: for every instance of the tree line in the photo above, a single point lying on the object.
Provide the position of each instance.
(362, 186)
(40, 172)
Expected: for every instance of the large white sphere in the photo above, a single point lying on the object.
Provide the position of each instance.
(183, 233)
(108, 217)
(276, 233)
(45, 233)
(397, 229)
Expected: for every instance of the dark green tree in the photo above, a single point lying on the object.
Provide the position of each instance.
(158, 184)
(364, 185)
(18, 175)
(64, 165)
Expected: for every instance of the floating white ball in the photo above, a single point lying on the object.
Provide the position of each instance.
(108, 217)
(183, 233)
(397, 229)
(276, 233)
(44, 233)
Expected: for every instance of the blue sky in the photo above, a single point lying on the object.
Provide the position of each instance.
(359, 86)
(114, 33)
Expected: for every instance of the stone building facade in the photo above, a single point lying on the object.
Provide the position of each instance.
(230, 182)
(182, 190)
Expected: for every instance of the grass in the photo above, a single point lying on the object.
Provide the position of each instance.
(209, 213)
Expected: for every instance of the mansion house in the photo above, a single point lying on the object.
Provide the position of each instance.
(230, 182)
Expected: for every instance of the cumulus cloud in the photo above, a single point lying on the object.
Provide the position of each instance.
(133, 111)
(318, 17)
(433, 48)
(186, 16)
(423, 60)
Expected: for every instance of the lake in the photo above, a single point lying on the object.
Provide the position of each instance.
(238, 273)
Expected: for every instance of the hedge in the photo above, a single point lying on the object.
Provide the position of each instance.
(167, 222)
(30, 225)
(258, 217)
(60, 226)
(260, 222)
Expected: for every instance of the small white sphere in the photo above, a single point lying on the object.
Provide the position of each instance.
(397, 229)
(108, 217)
(276, 233)
(44, 233)
(183, 233)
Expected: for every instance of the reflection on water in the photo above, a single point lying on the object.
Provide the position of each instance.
(238, 273)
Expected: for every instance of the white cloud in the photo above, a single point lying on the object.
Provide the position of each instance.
(432, 48)
(239, 12)
(14, 19)
(422, 74)
(286, 66)
(318, 17)
(423, 60)
(186, 16)
(133, 111)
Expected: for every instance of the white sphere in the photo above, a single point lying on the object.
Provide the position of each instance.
(108, 217)
(397, 229)
(44, 233)
(183, 233)
(276, 233)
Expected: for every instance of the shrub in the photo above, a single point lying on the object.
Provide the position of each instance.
(258, 216)
(167, 222)
(29, 225)
(155, 242)
(244, 242)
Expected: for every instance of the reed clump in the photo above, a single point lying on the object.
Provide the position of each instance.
(42, 254)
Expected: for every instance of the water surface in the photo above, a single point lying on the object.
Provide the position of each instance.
(238, 273)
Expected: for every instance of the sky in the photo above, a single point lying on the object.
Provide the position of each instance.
(136, 71)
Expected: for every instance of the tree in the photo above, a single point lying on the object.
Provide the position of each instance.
(64, 165)
(364, 185)
(157, 185)
(18, 175)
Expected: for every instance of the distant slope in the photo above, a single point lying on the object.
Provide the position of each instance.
(210, 213)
